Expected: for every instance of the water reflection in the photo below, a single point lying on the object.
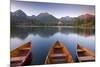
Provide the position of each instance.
(48, 31)
(44, 37)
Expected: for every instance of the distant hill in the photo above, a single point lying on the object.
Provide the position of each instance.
(86, 16)
(20, 18)
(19, 13)
(86, 20)
(67, 20)
(46, 18)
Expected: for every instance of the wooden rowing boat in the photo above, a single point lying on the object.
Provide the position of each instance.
(58, 54)
(21, 55)
(84, 54)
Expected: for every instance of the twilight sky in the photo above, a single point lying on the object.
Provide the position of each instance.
(57, 10)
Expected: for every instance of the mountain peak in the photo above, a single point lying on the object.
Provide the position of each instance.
(86, 16)
(19, 12)
(66, 18)
(44, 14)
(46, 18)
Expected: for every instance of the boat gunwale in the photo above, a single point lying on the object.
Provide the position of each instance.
(53, 47)
(28, 53)
(85, 50)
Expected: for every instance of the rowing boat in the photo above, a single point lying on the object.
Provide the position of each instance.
(21, 55)
(58, 54)
(84, 54)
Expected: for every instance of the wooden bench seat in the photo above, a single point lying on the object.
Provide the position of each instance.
(87, 58)
(57, 55)
(25, 49)
(17, 58)
(58, 60)
(78, 50)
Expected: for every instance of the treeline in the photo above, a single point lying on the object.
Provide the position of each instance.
(86, 23)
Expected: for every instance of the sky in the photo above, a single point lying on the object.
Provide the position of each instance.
(57, 10)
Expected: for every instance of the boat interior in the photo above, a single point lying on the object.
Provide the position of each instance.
(84, 55)
(57, 55)
(19, 55)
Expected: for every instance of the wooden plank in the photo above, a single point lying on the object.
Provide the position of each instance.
(18, 58)
(80, 50)
(57, 55)
(86, 58)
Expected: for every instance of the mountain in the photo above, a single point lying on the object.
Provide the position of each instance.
(67, 18)
(19, 13)
(19, 17)
(47, 18)
(86, 16)
(31, 17)
(81, 17)
(85, 20)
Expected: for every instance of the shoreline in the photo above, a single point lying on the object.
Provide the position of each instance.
(56, 26)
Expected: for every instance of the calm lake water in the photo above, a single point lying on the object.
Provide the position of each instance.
(44, 37)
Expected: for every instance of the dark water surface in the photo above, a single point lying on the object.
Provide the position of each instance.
(44, 37)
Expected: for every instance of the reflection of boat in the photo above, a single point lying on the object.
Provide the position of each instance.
(84, 54)
(58, 54)
(21, 55)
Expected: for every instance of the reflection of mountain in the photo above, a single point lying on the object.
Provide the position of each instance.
(43, 32)
(47, 31)
(85, 32)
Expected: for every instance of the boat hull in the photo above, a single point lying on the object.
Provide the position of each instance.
(22, 55)
(84, 54)
(58, 54)
(28, 60)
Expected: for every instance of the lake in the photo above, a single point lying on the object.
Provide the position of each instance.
(43, 38)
